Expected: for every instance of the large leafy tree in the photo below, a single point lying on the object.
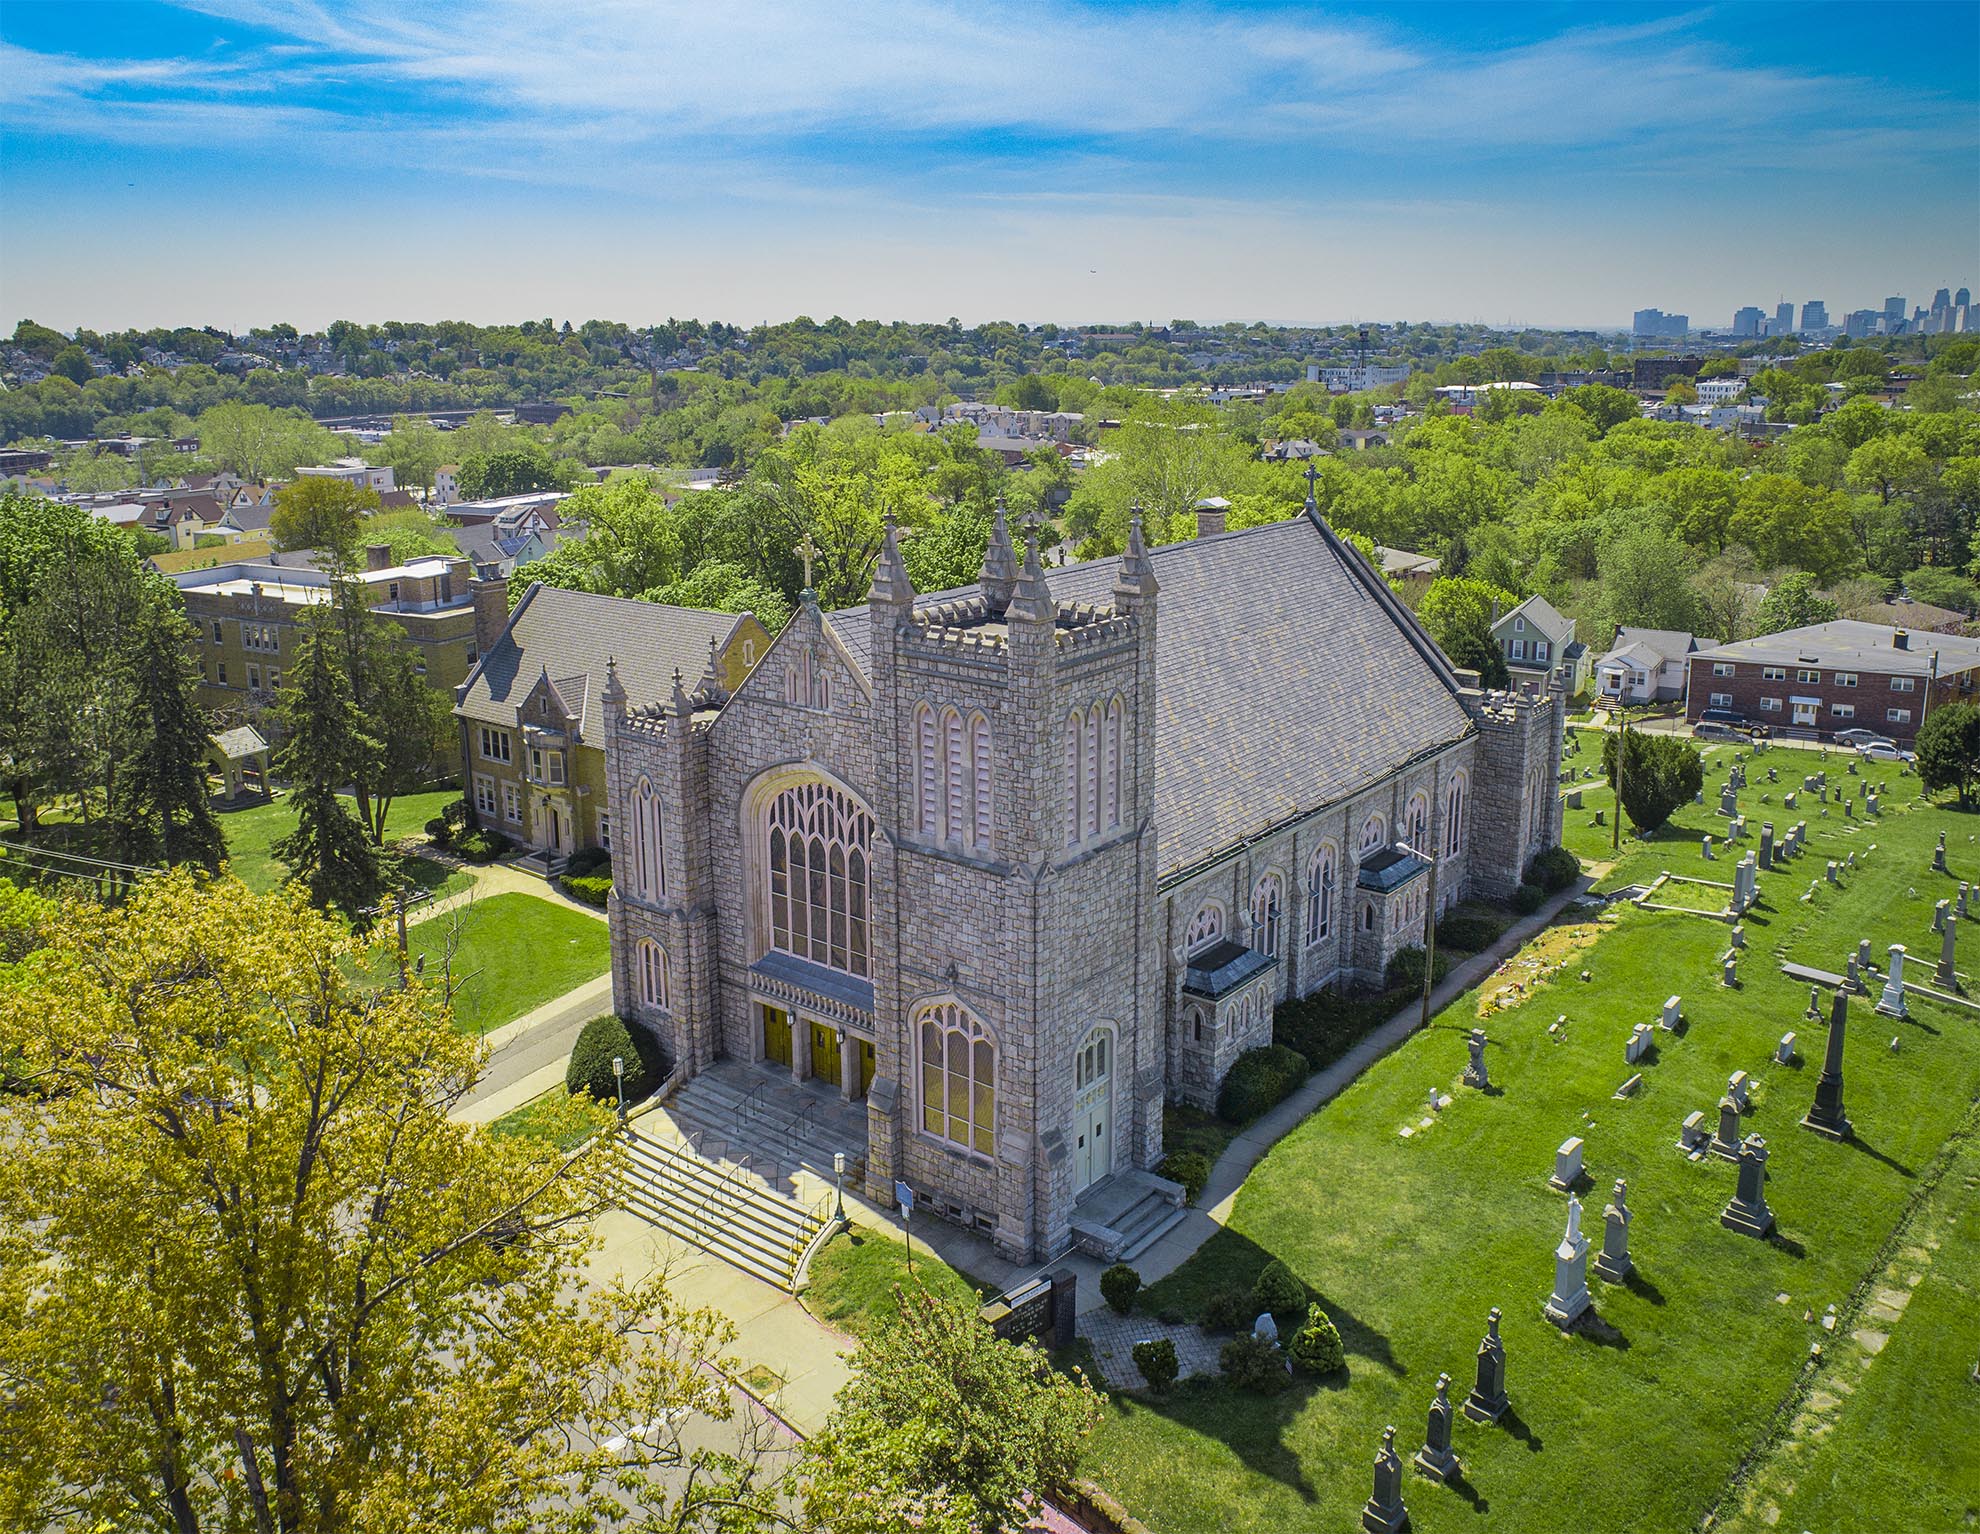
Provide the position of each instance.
(1949, 750)
(1659, 773)
(1791, 603)
(1459, 613)
(253, 1276)
(318, 512)
(512, 471)
(945, 1429)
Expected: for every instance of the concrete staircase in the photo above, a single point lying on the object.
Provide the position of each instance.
(1126, 1215)
(719, 1208)
(785, 1131)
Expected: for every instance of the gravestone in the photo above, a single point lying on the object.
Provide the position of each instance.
(1435, 1458)
(1939, 855)
(1863, 953)
(1766, 844)
(1574, 799)
(1849, 809)
(1800, 837)
(1693, 1135)
(1891, 1003)
(1567, 1164)
(1628, 1088)
(1960, 909)
(1826, 1116)
(1570, 1298)
(1475, 1074)
(1870, 803)
(1729, 976)
(1487, 1401)
(1850, 861)
(1814, 1001)
(1728, 802)
(1853, 980)
(1787, 800)
(1265, 1328)
(1739, 1088)
(1612, 1262)
(1773, 775)
(1737, 830)
(1672, 1012)
(1784, 1051)
(1738, 936)
(1638, 1044)
(1726, 1138)
(1833, 872)
(1944, 976)
(1384, 1512)
(1939, 915)
(1748, 1212)
(1705, 844)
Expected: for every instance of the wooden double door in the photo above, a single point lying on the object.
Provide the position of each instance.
(828, 1051)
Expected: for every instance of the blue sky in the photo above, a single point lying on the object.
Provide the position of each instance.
(242, 161)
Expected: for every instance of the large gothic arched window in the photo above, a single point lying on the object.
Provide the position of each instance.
(1267, 904)
(820, 847)
(1454, 818)
(649, 845)
(958, 1078)
(1320, 894)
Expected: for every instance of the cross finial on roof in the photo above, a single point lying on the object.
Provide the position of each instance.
(1311, 475)
(808, 550)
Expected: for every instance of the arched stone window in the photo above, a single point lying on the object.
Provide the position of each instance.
(927, 773)
(820, 842)
(1111, 815)
(980, 755)
(1267, 905)
(1320, 894)
(649, 843)
(958, 1078)
(1075, 798)
(807, 683)
(1416, 822)
(1095, 741)
(955, 775)
(650, 971)
(952, 777)
(1454, 817)
(1205, 927)
(1374, 832)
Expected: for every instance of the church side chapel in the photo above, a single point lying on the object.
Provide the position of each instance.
(1013, 865)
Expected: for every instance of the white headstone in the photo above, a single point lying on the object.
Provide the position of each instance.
(1567, 1164)
(1784, 1051)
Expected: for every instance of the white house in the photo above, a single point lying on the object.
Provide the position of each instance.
(1645, 665)
(1720, 391)
(353, 471)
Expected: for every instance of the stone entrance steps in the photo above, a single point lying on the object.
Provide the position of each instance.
(720, 1209)
(1120, 1220)
(773, 1127)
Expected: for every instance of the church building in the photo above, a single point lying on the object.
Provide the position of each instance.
(1015, 864)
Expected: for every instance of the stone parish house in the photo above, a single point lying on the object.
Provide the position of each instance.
(1009, 866)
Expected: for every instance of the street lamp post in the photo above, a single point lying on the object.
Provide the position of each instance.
(839, 1185)
(619, 1083)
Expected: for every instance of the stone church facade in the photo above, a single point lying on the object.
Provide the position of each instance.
(1015, 865)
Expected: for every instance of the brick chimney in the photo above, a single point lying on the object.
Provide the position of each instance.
(1210, 515)
(491, 608)
(1901, 640)
(378, 556)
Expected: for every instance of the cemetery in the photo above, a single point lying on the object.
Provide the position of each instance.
(1697, 1286)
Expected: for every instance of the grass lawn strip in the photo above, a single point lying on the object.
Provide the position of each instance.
(854, 1275)
(552, 1117)
(251, 834)
(514, 953)
(1409, 1242)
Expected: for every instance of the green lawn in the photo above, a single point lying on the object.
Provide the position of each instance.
(565, 1121)
(252, 833)
(1409, 1241)
(515, 952)
(854, 1275)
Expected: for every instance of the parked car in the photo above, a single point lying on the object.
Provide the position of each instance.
(1884, 751)
(1859, 737)
(1713, 729)
(1729, 719)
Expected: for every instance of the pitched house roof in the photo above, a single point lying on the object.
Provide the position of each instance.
(569, 636)
(1654, 645)
(1541, 614)
(1288, 676)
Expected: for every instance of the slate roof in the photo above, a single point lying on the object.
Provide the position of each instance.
(1664, 644)
(1541, 614)
(1223, 968)
(1288, 677)
(1389, 868)
(1850, 645)
(571, 634)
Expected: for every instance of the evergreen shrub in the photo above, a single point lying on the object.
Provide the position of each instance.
(1118, 1287)
(1157, 1362)
(1257, 1080)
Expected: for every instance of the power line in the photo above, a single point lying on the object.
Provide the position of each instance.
(77, 857)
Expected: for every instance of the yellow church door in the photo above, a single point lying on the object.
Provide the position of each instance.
(865, 1066)
(825, 1053)
(777, 1035)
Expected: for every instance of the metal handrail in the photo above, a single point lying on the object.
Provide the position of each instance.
(743, 1108)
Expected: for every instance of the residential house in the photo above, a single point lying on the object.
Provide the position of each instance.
(352, 471)
(1412, 572)
(1906, 612)
(1840, 675)
(446, 485)
(1537, 640)
(1645, 665)
(543, 503)
(532, 734)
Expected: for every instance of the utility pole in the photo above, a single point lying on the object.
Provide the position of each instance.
(1430, 938)
(1622, 740)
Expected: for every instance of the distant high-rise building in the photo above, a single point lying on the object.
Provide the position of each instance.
(1962, 299)
(1941, 300)
(1784, 319)
(1862, 322)
(1814, 315)
(1746, 322)
(1894, 310)
(1654, 324)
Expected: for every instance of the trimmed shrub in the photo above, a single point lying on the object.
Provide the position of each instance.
(1469, 931)
(589, 860)
(1327, 1024)
(1528, 898)
(1229, 1310)
(1405, 972)
(1118, 1287)
(1316, 1346)
(1251, 1363)
(1157, 1362)
(590, 1067)
(1257, 1080)
(1279, 1290)
(481, 845)
(438, 831)
(455, 813)
(1553, 870)
(592, 889)
(1190, 1168)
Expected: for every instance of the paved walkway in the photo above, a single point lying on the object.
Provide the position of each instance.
(1112, 1337)
(526, 1058)
(491, 879)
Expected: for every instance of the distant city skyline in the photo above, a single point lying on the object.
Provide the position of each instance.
(240, 162)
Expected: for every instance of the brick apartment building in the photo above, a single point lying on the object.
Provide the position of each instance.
(1827, 677)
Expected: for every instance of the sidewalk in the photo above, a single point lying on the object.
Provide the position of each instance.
(491, 879)
(526, 1058)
